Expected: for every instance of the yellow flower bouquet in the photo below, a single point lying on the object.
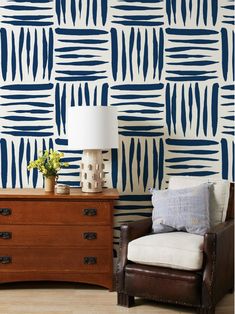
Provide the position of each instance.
(48, 163)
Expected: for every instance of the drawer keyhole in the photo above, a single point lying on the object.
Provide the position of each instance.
(5, 259)
(90, 212)
(89, 235)
(5, 235)
(89, 260)
(5, 211)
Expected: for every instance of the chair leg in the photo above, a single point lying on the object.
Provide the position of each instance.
(203, 310)
(125, 300)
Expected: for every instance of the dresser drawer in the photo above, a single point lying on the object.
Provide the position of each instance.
(55, 259)
(56, 212)
(37, 235)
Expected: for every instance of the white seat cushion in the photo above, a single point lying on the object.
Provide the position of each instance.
(219, 194)
(179, 250)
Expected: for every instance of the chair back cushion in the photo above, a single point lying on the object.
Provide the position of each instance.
(219, 194)
(179, 250)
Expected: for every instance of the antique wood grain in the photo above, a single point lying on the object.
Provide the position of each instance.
(44, 236)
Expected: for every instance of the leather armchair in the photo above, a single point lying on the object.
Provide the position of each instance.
(200, 289)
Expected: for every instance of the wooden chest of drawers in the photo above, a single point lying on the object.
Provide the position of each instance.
(56, 237)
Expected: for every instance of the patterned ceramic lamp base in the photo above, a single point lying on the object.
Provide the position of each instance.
(91, 171)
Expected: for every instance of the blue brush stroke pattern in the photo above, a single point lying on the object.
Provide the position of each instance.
(198, 106)
(205, 113)
(155, 53)
(4, 162)
(227, 102)
(192, 13)
(214, 9)
(188, 164)
(145, 95)
(4, 52)
(131, 46)
(124, 171)
(145, 56)
(94, 11)
(73, 11)
(13, 57)
(138, 55)
(173, 108)
(104, 94)
(35, 56)
(28, 47)
(138, 47)
(224, 43)
(21, 154)
(197, 109)
(138, 153)
(50, 53)
(131, 157)
(13, 166)
(64, 9)
(45, 53)
(114, 160)
(192, 70)
(161, 53)
(138, 16)
(23, 50)
(214, 108)
(155, 163)
(183, 112)
(30, 117)
(104, 11)
(145, 169)
(82, 68)
(227, 11)
(205, 11)
(35, 172)
(123, 57)
(225, 161)
(17, 15)
(138, 157)
(161, 163)
(183, 11)
(63, 108)
(168, 108)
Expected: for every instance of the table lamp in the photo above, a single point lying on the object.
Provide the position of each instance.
(92, 129)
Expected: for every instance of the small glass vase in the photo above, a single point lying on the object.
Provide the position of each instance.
(50, 184)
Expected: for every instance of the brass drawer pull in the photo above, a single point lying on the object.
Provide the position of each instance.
(5, 259)
(89, 211)
(5, 235)
(5, 211)
(89, 260)
(89, 235)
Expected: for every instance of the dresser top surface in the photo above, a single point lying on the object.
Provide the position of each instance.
(75, 193)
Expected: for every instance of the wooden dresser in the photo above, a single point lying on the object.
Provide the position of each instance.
(56, 237)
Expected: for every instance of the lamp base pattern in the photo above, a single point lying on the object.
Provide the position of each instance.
(92, 174)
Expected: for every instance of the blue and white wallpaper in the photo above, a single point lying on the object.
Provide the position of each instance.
(167, 65)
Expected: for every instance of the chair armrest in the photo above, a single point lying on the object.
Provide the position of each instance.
(219, 256)
(129, 232)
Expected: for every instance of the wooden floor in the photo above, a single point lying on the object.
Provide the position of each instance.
(69, 298)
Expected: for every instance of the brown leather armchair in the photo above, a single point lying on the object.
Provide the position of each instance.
(200, 289)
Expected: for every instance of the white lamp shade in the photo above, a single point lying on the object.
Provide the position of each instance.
(91, 127)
